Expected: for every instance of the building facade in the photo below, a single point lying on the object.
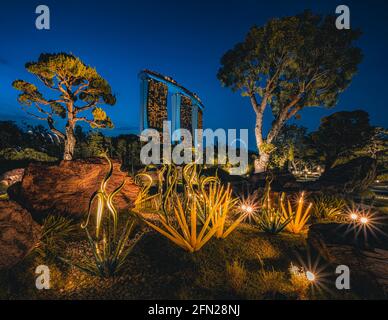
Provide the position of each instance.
(163, 99)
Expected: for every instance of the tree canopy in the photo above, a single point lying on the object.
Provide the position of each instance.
(289, 64)
(341, 134)
(77, 88)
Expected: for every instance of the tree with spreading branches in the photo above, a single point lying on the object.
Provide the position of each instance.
(77, 88)
(289, 64)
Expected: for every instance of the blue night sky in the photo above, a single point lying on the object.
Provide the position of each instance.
(181, 39)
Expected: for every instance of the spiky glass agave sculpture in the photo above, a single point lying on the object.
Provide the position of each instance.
(109, 249)
(192, 217)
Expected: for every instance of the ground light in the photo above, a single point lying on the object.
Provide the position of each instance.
(314, 270)
(353, 216)
(248, 207)
(363, 220)
(310, 276)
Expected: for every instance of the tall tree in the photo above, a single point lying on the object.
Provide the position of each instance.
(77, 88)
(342, 134)
(289, 64)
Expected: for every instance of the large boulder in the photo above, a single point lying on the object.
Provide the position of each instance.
(366, 254)
(19, 233)
(354, 176)
(65, 189)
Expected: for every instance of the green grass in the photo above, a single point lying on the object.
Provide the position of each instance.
(159, 270)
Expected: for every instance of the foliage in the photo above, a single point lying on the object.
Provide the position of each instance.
(271, 282)
(79, 88)
(299, 281)
(382, 177)
(267, 147)
(289, 64)
(29, 137)
(110, 249)
(127, 148)
(290, 147)
(204, 204)
(56, 231)
(25, 154)
(272, 221)
(298, 217)
(236, 275)
(341, 135)
(10, 135)
(326, 206)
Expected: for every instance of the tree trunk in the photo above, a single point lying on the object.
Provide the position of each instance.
(261, 164)
(69, 142)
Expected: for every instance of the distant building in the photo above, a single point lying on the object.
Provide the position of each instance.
(163, 99)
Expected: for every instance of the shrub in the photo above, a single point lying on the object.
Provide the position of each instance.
(56, 231)
(25, 154)
(328, 207)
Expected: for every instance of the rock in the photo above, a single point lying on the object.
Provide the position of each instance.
(11, 177)
(354, 176)
(367, 259)
(19, 233)
(65, 189)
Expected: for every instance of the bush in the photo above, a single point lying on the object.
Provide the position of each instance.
(25, 154)
(56, 231)
(328, 207)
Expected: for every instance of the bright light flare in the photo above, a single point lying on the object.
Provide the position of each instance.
(310, 276)
(353, 216)
(364, 220)
(248, 207)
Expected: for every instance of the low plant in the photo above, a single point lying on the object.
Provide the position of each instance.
(236, 275)
(328, 207)
(56, 231)
(271, 282)
(272, 221)
(3, 192)
(298, 216)
(299, 282)
(110, 249)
